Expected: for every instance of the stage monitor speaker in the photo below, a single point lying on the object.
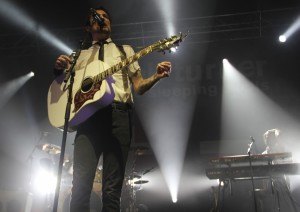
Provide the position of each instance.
(15, 201)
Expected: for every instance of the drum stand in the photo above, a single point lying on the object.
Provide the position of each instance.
(132, 192)
(134, 182)
(132, 207)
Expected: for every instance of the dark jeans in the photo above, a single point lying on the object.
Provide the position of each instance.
(107, 132)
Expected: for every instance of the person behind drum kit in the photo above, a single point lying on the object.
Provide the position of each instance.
(108, 131)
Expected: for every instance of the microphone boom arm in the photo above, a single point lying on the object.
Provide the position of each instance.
(96, 17)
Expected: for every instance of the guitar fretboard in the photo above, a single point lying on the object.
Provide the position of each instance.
(122, 64)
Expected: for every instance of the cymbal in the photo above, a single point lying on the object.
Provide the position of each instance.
(134, 176)
(141, 181)
(49, 148)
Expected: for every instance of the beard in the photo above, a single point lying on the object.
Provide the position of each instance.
(104, 30)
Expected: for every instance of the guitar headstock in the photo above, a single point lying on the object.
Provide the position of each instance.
(168, 43)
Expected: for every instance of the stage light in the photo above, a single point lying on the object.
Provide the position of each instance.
(19, 17)
(282, 38)
(45, 181)
(174, 49)
(174, 199)
(220, 182)
(291, 30)
(31, 74)
(8, 89)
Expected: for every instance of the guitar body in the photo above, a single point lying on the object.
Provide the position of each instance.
(92, 88)
(88, 95)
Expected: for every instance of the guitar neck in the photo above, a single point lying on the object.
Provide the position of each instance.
(123, 64)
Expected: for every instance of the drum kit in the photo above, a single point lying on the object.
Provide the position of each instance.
(49, 148)
(133, 181)
(53, 151)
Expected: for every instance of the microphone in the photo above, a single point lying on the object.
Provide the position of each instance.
(250, 145)
(97, 18)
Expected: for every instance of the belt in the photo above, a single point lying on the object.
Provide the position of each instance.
(121, 106)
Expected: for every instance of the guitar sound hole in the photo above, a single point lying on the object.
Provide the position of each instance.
(87, 85)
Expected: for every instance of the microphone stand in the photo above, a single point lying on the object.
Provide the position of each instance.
(69, 76)
(251, 170)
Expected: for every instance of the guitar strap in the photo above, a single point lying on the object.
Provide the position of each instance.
(125, 70)
(123, 54)
(122, 51)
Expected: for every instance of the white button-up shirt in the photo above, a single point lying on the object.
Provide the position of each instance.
(112, 55)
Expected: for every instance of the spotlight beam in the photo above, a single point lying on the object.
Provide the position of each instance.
(167, 126)
(166, 8)
(246, 111)
(10, 88)
(291, 30)
(20, 18)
